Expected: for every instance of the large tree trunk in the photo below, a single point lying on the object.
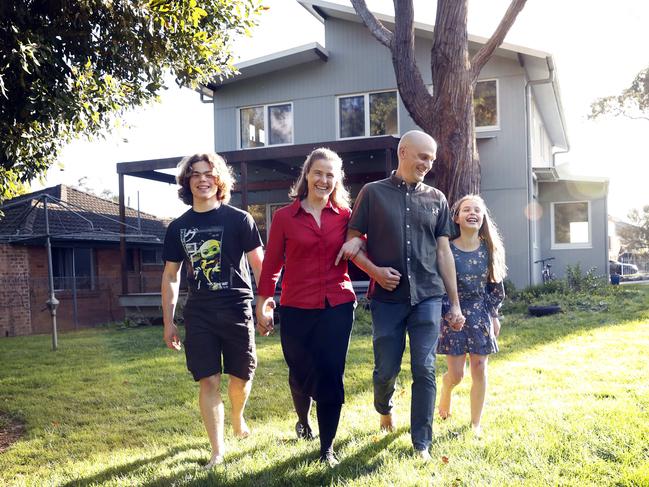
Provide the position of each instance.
(447, 115)
(457, 169)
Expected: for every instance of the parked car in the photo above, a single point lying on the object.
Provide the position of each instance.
(622, 268)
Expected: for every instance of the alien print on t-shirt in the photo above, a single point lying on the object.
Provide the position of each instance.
(203, 247)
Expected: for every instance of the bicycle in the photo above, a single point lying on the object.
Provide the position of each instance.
(546, 274)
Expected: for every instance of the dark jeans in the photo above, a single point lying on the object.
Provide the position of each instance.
(390, 322)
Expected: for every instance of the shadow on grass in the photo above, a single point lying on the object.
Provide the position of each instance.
(294, 471)
(117, 472)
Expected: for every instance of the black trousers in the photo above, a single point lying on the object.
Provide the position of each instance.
(315, 344)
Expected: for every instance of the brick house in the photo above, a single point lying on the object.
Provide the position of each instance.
(85, 235)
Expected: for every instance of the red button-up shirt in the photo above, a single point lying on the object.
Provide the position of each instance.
(308, 253)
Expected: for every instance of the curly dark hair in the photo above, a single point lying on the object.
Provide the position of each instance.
(222, 175)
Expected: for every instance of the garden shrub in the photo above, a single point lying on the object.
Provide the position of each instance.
(578, 291)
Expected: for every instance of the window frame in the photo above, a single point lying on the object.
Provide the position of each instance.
(570, 246)
(366, 118)
(158, 255)
(271, 208)
(266, 108)
(489, 128)
(64, 278)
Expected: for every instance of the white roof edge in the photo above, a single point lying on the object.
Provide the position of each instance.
(312, 5)
(315, 46)
(564, 171)
(583, 179)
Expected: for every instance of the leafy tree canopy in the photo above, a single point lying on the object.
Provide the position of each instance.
(72, 67)
(635, 237)
(632, 102)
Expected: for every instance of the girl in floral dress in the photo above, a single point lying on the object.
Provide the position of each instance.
(480, 266)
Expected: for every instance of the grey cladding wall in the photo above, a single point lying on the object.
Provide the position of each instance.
(563, 191)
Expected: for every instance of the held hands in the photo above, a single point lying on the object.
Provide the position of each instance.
(349, 249)
(455, 318)
(264, 311)
(171, 336)
(387, 277)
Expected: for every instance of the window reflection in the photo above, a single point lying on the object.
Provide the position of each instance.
(352, 116)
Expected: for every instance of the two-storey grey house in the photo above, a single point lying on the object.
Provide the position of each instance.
(343, 95)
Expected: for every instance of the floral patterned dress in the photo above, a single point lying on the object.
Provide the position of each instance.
(479, 300)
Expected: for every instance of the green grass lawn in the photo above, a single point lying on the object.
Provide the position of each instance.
(568, 404)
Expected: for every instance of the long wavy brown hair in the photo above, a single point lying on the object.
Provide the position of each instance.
(339, 196)
(489, 233)
(223, 177)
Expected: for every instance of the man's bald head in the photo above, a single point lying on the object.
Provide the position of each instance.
(417, 151)
(416, 137)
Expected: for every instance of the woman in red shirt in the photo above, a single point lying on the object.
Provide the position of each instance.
(317, 300)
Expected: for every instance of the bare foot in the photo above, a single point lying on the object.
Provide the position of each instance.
(423, 455)
(444, 414)
(387, 423)
(216, 459)
(444, 408)
(240, 428)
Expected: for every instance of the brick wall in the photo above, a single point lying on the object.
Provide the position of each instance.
(24, 290)
(15, 312)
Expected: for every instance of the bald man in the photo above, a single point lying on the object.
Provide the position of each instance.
(407, 226)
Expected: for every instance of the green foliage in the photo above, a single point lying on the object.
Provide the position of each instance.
(589, 281)
(11, 185)
(363, 318)
(632, 103)
(635, 237)
(531, 293)
(579, 290)
(71, 68)
(510, 289)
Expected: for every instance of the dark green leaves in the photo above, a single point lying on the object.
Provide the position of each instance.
(70, 68)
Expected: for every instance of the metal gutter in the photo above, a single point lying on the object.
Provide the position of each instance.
(528, 150)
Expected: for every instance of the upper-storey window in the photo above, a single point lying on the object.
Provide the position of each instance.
(485, 105)
(571, 225)
(265, 125)
(368, 115)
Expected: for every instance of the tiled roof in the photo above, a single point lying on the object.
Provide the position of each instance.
(75, 216)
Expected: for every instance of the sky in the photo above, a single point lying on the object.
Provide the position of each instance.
(598, 47)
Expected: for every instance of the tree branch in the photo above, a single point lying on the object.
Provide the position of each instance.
(376, 28)
(636, 117)
(410, 83)
(484, 54)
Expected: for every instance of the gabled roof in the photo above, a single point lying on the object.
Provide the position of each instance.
(276, 61)
(322, 10)
(74, 216)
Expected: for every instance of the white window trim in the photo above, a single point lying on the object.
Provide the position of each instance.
(266, 124)
(567, 246)
(488, 128)
(366, 96)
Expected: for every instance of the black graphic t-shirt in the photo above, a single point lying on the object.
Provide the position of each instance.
(213, 246)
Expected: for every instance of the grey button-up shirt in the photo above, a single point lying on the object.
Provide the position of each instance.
(402, 223)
